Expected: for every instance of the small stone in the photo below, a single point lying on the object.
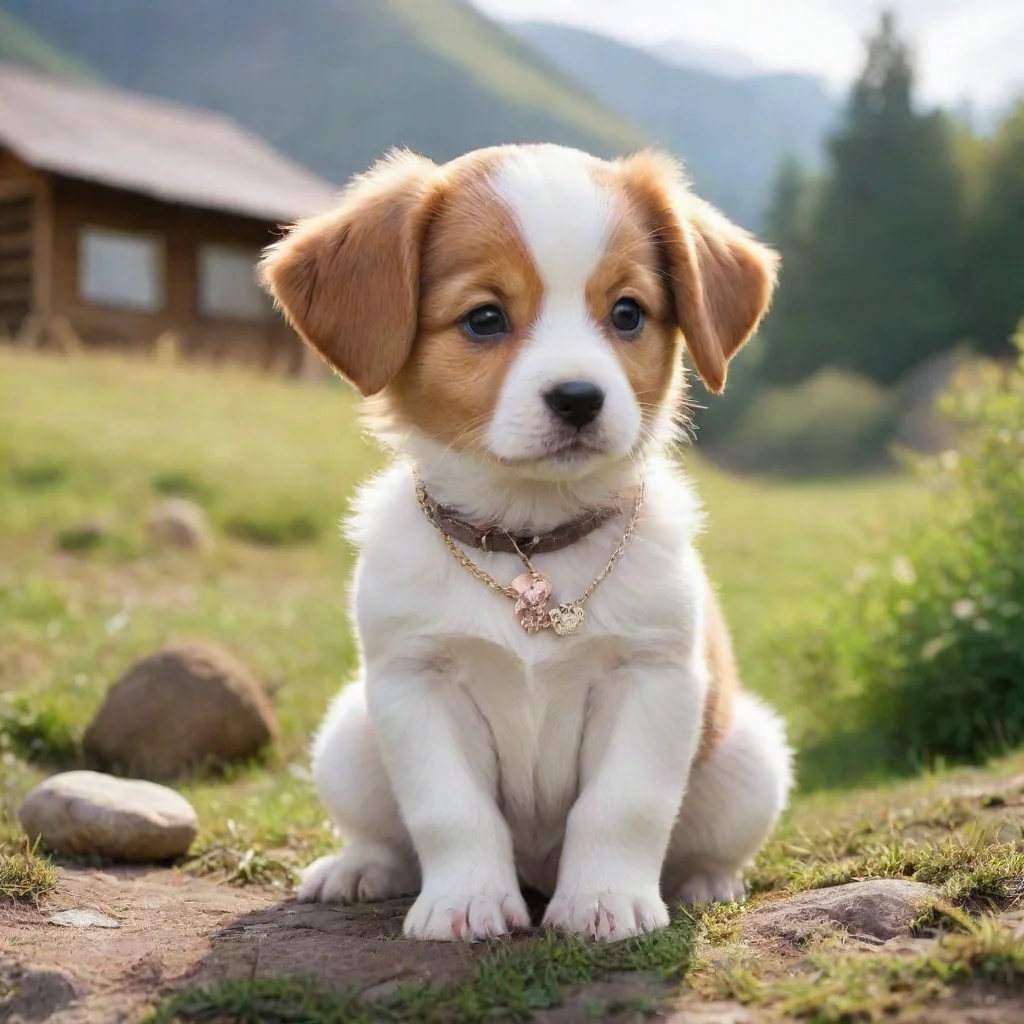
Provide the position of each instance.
(34, 994)
(179, 523)
(881, 909)
(184, 706)
(83, 919)
(119, 819)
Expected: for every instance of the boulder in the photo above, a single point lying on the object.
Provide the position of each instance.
(124, 820)
(878, 910)
(178, 523)
(185, 706)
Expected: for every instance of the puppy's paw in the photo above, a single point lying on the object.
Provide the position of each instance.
(606, 916)
(361, 873)
(465, 917)
(711, 887)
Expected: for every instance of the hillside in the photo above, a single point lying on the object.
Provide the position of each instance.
(730, 63)
(732, 132)
(23, 46)
(339, 85)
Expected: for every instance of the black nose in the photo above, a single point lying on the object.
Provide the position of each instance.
(576, 402)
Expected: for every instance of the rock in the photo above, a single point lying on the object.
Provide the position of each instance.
(30, 994)
(880, 910)
(83, 919)
(120, 819)
(184, 706)
(179, 523)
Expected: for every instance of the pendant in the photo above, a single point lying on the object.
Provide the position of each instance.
(566, 618)
(534, 592)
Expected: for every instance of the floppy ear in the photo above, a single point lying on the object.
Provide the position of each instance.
(721, 277)
(348, 280)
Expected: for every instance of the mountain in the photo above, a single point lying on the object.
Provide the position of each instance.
(705, 58)
(732, 132)
(335, 83)
(23, 46)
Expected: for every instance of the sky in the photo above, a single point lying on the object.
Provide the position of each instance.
(967, 50)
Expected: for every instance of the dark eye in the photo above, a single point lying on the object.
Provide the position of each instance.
(485, 322)
(627, 317)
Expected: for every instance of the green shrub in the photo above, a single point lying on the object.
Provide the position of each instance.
(181, 483)
(85, 536)
(39, 475)
(923, 661)
(833, 423)
(278, 527)
(41, 734)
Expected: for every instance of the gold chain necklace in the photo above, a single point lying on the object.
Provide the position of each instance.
(532, 590)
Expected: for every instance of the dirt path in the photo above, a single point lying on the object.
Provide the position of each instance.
(109, 945)
(153, 931)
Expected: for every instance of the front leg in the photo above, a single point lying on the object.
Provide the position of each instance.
(637, 751)
(443, 770)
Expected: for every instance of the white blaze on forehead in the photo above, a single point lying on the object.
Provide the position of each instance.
(565, 217)
(563, 213)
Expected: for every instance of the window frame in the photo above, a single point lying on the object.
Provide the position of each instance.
(202, 252)
(155, 239)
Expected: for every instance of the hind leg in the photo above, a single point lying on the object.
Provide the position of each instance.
(733, 801)
(377, 861)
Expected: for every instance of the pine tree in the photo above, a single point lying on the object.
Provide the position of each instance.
(994, 274)
(873, 288)
(786, 229)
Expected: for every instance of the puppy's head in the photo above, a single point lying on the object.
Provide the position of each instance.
(528, 303)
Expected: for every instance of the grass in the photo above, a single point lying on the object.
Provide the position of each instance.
(24, 875)
(833, 986)
(273, 526)
(100, 438)
(183, 483)
(970, 847)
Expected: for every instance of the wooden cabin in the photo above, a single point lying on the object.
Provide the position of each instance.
(126, 219)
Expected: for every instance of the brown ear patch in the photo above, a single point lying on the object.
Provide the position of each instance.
(721, 277)
(348, 279)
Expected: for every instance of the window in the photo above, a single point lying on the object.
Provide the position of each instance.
(120, 268)
(227, 283)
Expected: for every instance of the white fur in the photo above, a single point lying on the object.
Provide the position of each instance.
(469, 757)
(564, 217)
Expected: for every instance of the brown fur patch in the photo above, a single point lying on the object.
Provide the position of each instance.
(632, 267)
(725, 679)
(721, 278)
(473, 255)
(348, 280)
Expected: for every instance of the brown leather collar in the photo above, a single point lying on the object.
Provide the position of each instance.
(492, 538)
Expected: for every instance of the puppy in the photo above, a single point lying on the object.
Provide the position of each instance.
(518, 317)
